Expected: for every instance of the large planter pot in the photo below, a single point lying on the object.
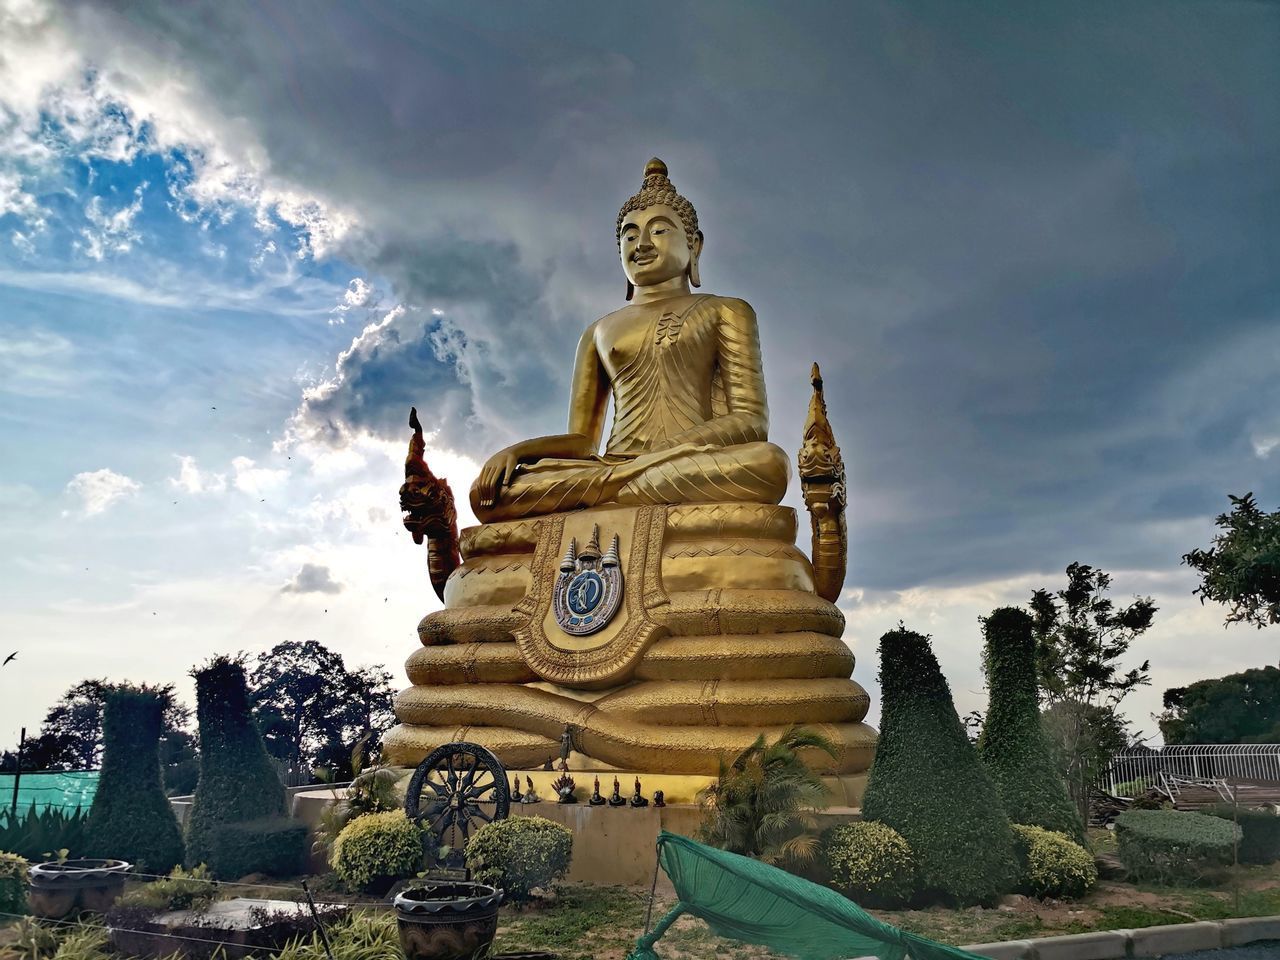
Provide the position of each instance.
(447, 921)
(61, 889)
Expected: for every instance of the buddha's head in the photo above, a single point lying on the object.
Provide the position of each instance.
(658, 235)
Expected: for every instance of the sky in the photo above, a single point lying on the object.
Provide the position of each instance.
(1036, 255)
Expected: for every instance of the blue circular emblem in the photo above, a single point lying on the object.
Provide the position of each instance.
(585, 592)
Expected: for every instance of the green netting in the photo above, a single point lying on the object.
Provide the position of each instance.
(746, 900)
(64, 790)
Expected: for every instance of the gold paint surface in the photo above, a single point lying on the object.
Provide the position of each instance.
(725, 629)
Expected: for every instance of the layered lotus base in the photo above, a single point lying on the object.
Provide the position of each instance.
(719, 638)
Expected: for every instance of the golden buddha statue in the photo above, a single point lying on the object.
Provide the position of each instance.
(702, 625)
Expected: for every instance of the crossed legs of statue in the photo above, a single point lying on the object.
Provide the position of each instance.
(689, 473)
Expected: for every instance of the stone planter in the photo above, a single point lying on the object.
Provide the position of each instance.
(61, 889)
(447, 921)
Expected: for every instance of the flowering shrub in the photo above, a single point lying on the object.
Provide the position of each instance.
(375, 850)
(1054, 865)
(869, 860)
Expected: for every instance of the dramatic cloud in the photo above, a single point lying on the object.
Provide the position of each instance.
(99, 489)
(1034, 256)
(312, 578)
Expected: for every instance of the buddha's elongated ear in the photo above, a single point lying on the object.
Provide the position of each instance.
(695, 251)
(631, 291)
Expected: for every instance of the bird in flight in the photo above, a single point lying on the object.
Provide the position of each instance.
(8, 658)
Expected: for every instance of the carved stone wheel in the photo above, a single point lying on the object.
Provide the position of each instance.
(455, 791)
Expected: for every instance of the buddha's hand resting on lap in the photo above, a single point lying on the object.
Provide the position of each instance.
(498, 470)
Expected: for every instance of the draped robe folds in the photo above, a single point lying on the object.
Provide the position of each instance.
(690, 422)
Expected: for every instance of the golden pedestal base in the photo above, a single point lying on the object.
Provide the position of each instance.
(719, 638)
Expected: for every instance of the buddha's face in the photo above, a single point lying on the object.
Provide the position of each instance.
(654, 246)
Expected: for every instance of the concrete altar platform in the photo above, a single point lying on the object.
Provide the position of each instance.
(611, 845)
(618, 845)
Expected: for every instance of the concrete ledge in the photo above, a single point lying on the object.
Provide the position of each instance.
(1236, 933)
(1143, 942)
(1009, 950)
(1103, 945)
(1176, 938)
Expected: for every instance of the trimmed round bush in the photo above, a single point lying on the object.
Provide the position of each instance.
(13, 883)
(237, 780)
(870, 861)
(1013, 746)
(131, 818)
(375, 850)
(519, 854)
(927, 784)
(1054, 865)
(1173, 846)
(1260, 842)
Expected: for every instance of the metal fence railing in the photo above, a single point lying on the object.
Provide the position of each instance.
(1137, 768)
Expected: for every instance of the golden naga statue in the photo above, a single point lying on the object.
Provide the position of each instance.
(699, 625)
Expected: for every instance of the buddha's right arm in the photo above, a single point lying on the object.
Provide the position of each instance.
(588, 400)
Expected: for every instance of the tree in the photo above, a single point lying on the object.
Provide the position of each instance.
(311, 708)
(1239, 708)
(1013, 746)
(926, 781)
(71, 736)
(1242, 567)
(1094, 735)
(1081, 637)
(72, 728)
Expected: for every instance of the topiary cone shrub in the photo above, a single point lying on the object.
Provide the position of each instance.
(131, 818)
(1013, 746)
(927, 784)
(237, 780)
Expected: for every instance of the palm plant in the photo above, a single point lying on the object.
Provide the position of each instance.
(372, 791)
(764, 804)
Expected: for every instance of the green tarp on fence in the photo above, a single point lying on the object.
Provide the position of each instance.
(64, 789)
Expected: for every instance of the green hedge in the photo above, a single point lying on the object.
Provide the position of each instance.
(870, 863)
(1172, 846)
(1260, 842)
(131, 818)
(275, 846)
(1013, 746)
(520, 853)
(927, 784)
(1053, 864)
(238, 782)
(13, 883)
